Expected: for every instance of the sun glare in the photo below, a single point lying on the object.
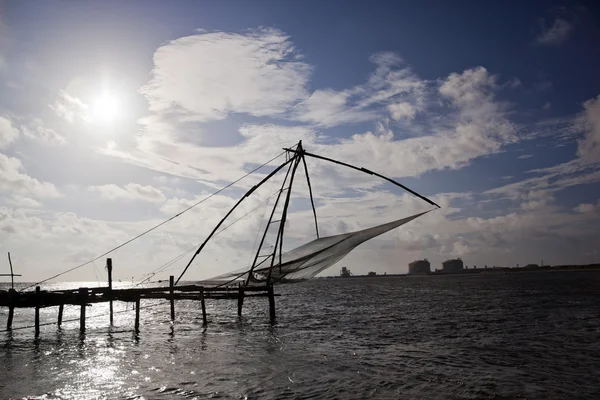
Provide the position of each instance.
(105, 109)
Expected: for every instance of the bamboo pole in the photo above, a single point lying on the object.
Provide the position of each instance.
(240, 300)
(83, 294)
(172, 296)
(60, 314)
(137, 315)
(271, 303)
(12, 274)
(11, 308)
(38, 301)
(110, 305)
(203, 304)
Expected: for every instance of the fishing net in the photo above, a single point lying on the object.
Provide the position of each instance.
(308, 260)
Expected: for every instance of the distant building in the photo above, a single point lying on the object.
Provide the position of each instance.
(452, 265)
(372, 273)
(345, 272)
(419, 267)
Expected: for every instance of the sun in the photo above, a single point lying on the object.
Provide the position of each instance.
(105, 109)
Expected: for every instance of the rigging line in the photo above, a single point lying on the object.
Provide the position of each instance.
(179, 257)
(155, 226)
(310, 193)
(246, 214)
(248, 193)
(370, 173)
(268, 226)
(260, 226)
(284, 215)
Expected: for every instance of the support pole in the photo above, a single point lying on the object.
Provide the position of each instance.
(240, 300)
(137, 315)
(11, 308)
(12, 274)
(60, 314)
(110, 296)
(172, 296)
(83, 294)
(38, 301)
(271, 302)
(203, 304)
(248, 193)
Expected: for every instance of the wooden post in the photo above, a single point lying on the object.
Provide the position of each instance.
(271, 302)
(83, 294)
(240, 300)
(137, 315)
(12, 274)
(60, 314)
(203, 304)
(11, 308)
(110, 303)
(172, 296)
(38, 301)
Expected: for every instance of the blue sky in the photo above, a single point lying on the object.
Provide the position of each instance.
(116, 115)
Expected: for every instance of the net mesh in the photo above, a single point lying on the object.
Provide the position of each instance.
(310, 259)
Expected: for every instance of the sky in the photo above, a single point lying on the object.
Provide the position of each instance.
(115, 116)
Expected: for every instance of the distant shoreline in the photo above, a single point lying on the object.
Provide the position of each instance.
(493, 270)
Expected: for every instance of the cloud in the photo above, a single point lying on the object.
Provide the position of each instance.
(329, 108)
(71, 108)
(556, 34)
(210, 75)
(8, 133)
(131, 191)
(587, 207)
(402, 110)
(24, 202)
(525, 156)
(12, 179)
(588, 147)
(37, 132)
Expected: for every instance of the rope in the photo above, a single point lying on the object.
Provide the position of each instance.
(154, 227)
(179, 257)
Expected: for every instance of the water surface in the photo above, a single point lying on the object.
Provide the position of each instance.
(515, 336)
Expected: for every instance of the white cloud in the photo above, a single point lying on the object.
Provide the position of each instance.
(329, 108)
(556, 34)
(402, 110)
(589, 147)
(210, 75)
(8, 133)
(24, 202)
(525, 156)
(71, 108)
(42, 134)
(13, 180)
(131, 191)
(586, 208)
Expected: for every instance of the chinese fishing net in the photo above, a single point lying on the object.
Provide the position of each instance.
(308, 260)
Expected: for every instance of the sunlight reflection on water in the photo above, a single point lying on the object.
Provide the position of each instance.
(421, 338)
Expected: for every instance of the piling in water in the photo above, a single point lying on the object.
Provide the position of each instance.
(110, 304)
(171, 293)
(83, 294)
(38, 302)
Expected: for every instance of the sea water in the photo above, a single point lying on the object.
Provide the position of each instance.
(513, 336)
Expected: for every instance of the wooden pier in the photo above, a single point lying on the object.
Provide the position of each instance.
(85, 297)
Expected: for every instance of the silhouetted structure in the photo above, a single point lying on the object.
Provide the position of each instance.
(345, 273)
(452, 265)
(419, 267)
